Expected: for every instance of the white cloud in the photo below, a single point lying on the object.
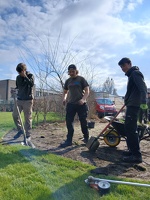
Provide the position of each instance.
(98, 29)
(140, 51)
(133, 4)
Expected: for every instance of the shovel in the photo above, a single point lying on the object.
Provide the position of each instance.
(26, 141)
(93, 142)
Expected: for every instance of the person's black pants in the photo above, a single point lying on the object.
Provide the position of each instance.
(149, 114)
(81, 110)
(131, 130)
(143, 116)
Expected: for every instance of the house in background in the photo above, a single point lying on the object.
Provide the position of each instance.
(7, 101)
(6, 98)
(5, 88)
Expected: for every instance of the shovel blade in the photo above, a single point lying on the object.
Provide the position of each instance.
(29, 143)
(92, 144)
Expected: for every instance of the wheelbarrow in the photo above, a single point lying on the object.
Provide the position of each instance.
(113, 135)
(93, 142)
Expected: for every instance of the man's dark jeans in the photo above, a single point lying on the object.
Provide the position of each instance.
(131, 130)
(143, 115)
(81, 110)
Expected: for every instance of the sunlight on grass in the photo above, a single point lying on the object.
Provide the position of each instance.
(31, 174)
(7, 123)
(18, 178)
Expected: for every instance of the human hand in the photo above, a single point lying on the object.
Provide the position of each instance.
(144, 106)
(81, 101)
(64, 102)
(23, 73)
(13, 92)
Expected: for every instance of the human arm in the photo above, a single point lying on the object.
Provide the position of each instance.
(29, 78)
(85, 96)
(65, 94)
(140, 84)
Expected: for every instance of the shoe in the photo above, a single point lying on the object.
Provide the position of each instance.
(127, 153)
(65, 144)
(132, 159)
(28, 137)
(18, 134)
(85, 140)
(28, 134)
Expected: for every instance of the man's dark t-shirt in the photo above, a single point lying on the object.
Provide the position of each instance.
(76, 88)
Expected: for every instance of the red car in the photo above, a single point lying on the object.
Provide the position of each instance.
(105, 107)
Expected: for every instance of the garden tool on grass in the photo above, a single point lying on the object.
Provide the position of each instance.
(93, 142)
(26, 141)
(92, 179)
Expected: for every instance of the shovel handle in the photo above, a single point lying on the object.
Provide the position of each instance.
(21, 122)
(111, 121)
(92, 179)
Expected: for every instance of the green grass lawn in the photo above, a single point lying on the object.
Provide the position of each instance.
(31, 174)
(6, 120)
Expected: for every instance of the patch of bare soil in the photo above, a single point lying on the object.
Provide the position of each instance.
(107, 160)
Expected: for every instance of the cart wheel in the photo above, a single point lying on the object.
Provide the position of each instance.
(111, 138)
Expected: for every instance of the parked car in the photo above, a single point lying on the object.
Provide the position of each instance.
(105, 107)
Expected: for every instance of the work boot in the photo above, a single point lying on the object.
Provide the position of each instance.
(28, 134)
(28, 137)
(65, 144)
(85, 140)
(18, 134)
(132, 159)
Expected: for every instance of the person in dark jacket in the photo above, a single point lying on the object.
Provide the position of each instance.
(24, 87)
(148, 104)
(135, 98)
(76, 91)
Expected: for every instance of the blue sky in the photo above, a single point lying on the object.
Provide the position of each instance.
(99, 32)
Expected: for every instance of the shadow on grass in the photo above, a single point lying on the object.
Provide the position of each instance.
(9, 158)
(76, 189)
(60, 151)
(13, 156)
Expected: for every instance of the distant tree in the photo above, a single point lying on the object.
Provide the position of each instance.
(50, 68)
(115, 91)
(109, 86)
